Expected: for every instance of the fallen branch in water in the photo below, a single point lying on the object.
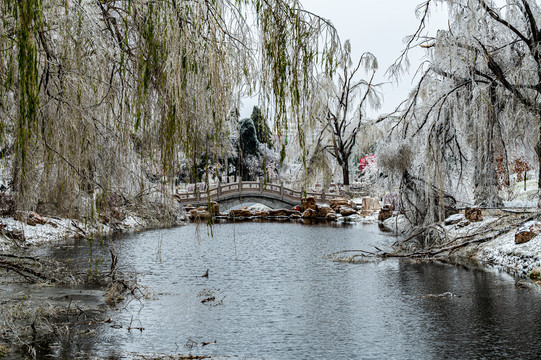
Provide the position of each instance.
(348, 251)
(412, 236)
(434, 252)
(28, 273)
(449, 246)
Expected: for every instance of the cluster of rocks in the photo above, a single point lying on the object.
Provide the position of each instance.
(203, 212)
(308, 209)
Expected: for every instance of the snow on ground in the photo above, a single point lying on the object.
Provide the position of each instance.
(500, 251)
(503, 251)
(398, 224)
(257, 207)
(516, 196)
(56, 229)
(367, 219)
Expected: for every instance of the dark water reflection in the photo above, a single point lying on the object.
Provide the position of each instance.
(283, 299)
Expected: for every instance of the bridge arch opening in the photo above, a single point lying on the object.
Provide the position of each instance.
(228, 204)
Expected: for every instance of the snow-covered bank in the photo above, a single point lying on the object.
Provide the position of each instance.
(490, 241)
(19, 233)
(500, 250)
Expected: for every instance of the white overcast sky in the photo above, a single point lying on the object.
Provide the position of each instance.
(377, 26)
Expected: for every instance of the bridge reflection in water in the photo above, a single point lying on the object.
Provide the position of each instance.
(272, 195)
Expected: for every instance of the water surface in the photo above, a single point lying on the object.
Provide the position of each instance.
(278, 296)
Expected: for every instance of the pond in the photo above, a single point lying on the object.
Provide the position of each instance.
(277, 295)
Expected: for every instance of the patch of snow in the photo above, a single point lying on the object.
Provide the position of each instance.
(351, 218)
(398, 224)
(57, 229)
(520, 204)
(527, 225)
(358, 200)
(42, 233)
(453, 219)
(259, 207)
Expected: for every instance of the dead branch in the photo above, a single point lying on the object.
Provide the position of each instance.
(25, 271)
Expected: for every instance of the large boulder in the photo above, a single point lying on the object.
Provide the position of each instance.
(309, 214)
(336, 203)
(240, 213)
(347, 211)
(324, 210)
(527, 232)
(283, 212)
(308, 203)
(332, 216)
(371, 204)
(473, 214)
(198, 214)
(385, 213)
(262, 213)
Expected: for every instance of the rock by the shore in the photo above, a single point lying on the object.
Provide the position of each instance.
(473, 214)
(324, 210)
(332, 216)
(260, 213)
(282, 212)
(385, 213)
(346, 211)
(309, 214)
(335, 204)
(308, 203)
(214, 207)
(527, 232)
(240, 213)
(198, 214)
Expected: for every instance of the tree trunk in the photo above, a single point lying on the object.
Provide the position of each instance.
(538, 152)
(486, 177)
(345, 173)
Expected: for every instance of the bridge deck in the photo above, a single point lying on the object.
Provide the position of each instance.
(252, 189)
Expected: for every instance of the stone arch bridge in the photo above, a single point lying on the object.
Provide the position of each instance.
(229, 195)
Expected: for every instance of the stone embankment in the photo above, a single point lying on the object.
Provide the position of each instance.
(364, 209)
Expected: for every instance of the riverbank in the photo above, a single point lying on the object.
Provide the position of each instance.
(491, 241)
(50, 298)
(27, 228)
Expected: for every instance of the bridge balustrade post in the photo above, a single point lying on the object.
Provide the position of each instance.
(323, 195)
(240, 184)
(261, 184)
(219, 189)
(282, 190)
(197, 195)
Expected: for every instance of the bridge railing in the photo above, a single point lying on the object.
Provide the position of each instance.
(251, 188)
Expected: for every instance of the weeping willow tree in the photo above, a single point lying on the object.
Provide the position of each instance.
(478, 97)
(103, 101)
